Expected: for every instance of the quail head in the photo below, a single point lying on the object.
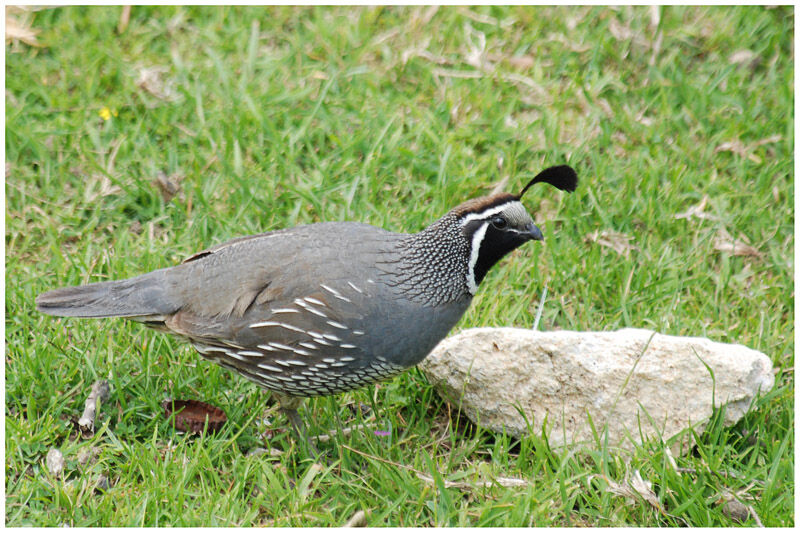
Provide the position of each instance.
(323, 308)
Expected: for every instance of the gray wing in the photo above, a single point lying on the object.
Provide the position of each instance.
(298, 314)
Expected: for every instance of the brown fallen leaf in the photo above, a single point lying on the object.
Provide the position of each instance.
(619, 242)
(19, 29)
(697, 211)
(168, 186)
(633, 488)
(521, 62)
(739, 148)
(191, 415)
(507, 482)
(747, 58)
(151, 80)
(767, 140)
(124, 19)
(724, 242)
(620, 31)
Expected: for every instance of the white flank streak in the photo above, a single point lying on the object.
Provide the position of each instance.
(269, 367)
(329, 360)
(217, 349)
(267, 347)
(232, 344)
(329, 289)
(310, 309)
(355, 288)
(336, 294)
(314, 301)
(264, 324)
(473, 256)
(280, 346)
(332, 337)
(307, 345)
(322, 341)
(300, 352)
(295, 362)
(251, 354)
(284, 310)
(347, 346)
(347, 359)
(281, 362)
(278, 324)
(337, 324)
(237, 356)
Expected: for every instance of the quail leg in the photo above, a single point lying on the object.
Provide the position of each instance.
(289, 405)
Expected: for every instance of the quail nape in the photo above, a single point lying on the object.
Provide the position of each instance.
(323, 308)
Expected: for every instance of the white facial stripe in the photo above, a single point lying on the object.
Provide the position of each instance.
(477, 239)
(514, 211)
(484, 214)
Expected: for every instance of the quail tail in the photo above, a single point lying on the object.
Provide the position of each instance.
(142, 296)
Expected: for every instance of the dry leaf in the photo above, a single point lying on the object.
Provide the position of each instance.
(20, 31)
(486, 19)
(724, 242)
(194, 416)
(698, 211)
(737, 147)
(168, 186)
(547, 210)
(632, 489)
(655, 16)
(107, 188)
(520, 62)
(744, 57)
(507, 482)
(151, 80)
(569, 43)
(619, 31)
(767, 140)
(619, 242)
(500, 186)
(124, 19)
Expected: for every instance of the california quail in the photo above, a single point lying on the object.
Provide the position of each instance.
(324, 308)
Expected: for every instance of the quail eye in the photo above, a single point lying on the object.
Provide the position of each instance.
(499, 222)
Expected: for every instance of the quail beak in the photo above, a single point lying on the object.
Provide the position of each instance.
(533, 232)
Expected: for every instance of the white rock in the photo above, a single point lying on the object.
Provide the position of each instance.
(628, 381)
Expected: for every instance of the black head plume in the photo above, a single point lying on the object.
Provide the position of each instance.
(561, 177)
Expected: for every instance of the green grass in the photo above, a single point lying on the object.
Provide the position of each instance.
(280, 116)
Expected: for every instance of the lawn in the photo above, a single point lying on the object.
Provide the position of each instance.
(133, 142)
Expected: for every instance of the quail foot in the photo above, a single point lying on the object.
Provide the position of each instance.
(323, 308)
